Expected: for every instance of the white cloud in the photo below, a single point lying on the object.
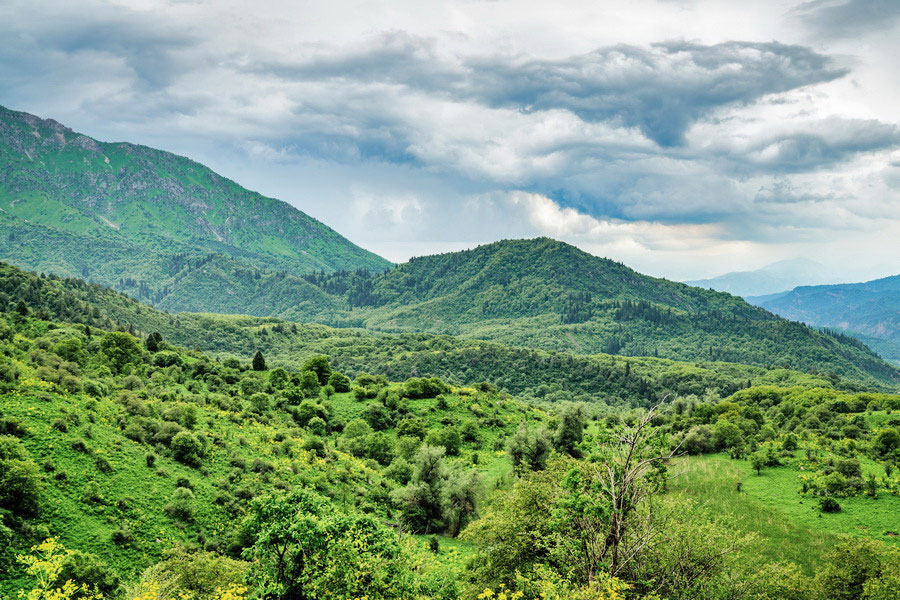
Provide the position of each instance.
(410, 126)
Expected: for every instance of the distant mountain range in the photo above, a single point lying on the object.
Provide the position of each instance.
(869, 311)
(171, 232)
(771, 279)
(143, 220)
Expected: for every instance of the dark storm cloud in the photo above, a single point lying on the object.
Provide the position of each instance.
(660, 90)
(846, 18)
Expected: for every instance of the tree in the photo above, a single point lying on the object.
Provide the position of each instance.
(377, 416)
(340, 382)
(20, 479)
(153, 341)
(886, 443)
(460, 499)
(528, 449)
(570, 431)
(304, 548)
(856, 567)
(259, 363)
(120, 349)
(420, 502)
(319, 365)
(607, 505)
(309, 383)
(758, 461)
(186, 448)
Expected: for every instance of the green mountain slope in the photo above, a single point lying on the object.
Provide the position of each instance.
(111, 211)
(544, 375)
(869, 311)
(546, 294)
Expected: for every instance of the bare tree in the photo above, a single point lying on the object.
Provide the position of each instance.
(609, 507)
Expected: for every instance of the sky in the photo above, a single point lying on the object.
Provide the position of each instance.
(686, 138)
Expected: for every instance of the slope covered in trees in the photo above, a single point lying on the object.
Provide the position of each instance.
(132, 468)
(869, 311)
(546, 294)
(549, 375)
(75, 206)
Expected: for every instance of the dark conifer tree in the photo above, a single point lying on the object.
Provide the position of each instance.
(259, 363)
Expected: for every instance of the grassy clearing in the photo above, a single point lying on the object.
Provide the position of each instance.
(789, 527)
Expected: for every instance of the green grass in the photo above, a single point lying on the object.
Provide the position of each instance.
(788, 526)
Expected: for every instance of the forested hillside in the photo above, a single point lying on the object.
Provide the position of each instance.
(126, 215)
(551, 375)
(132, 468)
(546, 294)
(869, 311)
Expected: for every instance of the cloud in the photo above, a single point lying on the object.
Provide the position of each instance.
(661, 90)
(444, 125)
(848, 18)
(812, 145)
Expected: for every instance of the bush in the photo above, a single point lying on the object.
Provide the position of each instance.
(340, 382)
(84, 568)
(315, 445)
(187, 449)
(122, 536)
(421, 387)
(377, 416)
(20, 479)
(447, 437)
(829, 505)
(182, 505)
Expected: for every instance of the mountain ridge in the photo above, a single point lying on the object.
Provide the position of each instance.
(55, 181)
(770, 279)
(868, 310)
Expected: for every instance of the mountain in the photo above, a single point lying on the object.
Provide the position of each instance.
(771, 279)
(140, 219)
(541, 293)
(543, 375)
(869, 311)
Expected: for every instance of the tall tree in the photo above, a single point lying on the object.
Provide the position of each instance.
(259, 363)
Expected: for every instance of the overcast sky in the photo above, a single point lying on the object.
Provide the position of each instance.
(684, 138)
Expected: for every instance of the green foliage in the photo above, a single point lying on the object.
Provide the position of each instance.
(20, 480)
(120, 349)
(304, 548)
(186, 448)
(258, 363)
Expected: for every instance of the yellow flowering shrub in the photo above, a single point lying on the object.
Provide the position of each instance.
(45, 564)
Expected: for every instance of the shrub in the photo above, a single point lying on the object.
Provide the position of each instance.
(315, 445)
(421, 387)
(103, 464)
(187, 449)
(829, 505)
(20, 479)
(377, 416)
(316, 425)
(84, 568)
(340, 382)
(181, 506)
(122, 536)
